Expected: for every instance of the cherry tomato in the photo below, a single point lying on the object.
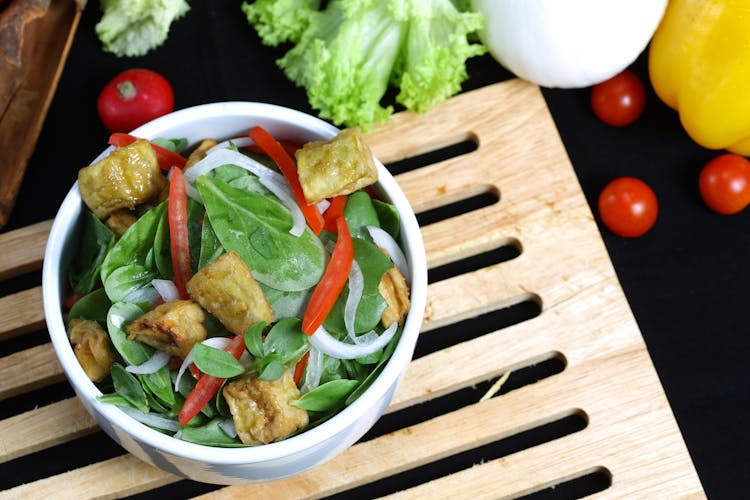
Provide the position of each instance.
(724, 184)
(134, 97)
(620, 100)
(628, 207)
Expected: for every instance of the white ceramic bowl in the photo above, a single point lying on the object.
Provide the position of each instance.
(250, 464)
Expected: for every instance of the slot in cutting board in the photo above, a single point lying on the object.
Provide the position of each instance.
(607, 380)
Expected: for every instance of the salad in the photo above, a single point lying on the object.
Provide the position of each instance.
(241, 294)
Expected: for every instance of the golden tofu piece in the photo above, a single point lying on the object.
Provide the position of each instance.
(173, 327)
(119, 221)
(261, 410)
(339, 166)
(395, 291)
(199, 153)
(127, 177)
(228, 290)
(91, 347)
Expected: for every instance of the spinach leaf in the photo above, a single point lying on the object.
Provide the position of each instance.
(254, 339)
(373, 264)
(174, 145)
(127, 386)
(257, 228)
(359, 214)
(131, 283)
(159, 384)
(287, 340)
(210, 248)
(390, 220)
(136, 245)
(115, 399)
(132, 351)
(367, 382)
(271, 367)
(287, 304)
(93, 306)
(216, 362)
(96, 241)
(326, 396)
(162, 250)
(209, 434)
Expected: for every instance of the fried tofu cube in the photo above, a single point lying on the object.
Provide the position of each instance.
(119, 221)
(173, 327)
(228, 290)
(339, 166)
(395, 291)
(261, 409)
(199, 153)
(127, 177)
(91, 347)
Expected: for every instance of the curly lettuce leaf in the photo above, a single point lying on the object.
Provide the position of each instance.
(279, 21)
(436, 52)
(132, 28)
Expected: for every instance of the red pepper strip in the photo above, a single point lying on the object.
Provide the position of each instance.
(208, 385)
(178, 233)
(194, 371)
(71, 300)
(334, 278)
(166, 158)
(289, 146)
(300, 368)
(335, 210)
(285, 163)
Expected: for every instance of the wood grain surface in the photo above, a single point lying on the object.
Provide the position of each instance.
(607, 381)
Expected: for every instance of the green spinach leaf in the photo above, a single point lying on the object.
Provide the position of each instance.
(390, 220)
(96, 241)
(326, 396)
(209, 434)
(93, 306)
(132, 351)
(216, 362)
(127, 386)
(210, 248)
(131, 283)
(360, 213)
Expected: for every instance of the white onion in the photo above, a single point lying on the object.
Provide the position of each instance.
(387, 243)
(313, 370)
(151, 365)
(272, 180)
(341, 350)
(323, 206)
(217, 342)
(356, 286)
(193, 193)
(227, 425)
(167, 289)
(152, 419)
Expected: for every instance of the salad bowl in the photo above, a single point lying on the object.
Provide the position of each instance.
(246, 464)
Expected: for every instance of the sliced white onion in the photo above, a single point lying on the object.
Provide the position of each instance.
(227, 425)
(341, 350)
(313, 370)
(218, 157)
(356, 286)
(240, 142)
(152, 419)
(387, 243)
(116, 320)
(193, 193)
(167, 289)
(217, 342)
(323, 206)
(151, 365)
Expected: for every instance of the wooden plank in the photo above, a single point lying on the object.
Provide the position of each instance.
(26, 370)
(44, 427)
(23, 249)
(21, 312)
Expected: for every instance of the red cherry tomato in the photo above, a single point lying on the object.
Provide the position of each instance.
(620, 100)
(724, 184)
(628, 207)
(134, 97)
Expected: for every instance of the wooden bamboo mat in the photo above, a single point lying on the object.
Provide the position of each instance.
(521, 284)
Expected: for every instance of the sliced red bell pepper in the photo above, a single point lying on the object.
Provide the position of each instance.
(286, 164)
(335, 210)
(299, 369)
(208, 385)
(178, 233)
(166, 158)
(289, 146)
(334, 278)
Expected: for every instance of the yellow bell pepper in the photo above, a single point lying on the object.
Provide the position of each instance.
(699, 65)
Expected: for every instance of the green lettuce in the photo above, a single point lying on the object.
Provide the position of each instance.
(347, 55)
(133, 27)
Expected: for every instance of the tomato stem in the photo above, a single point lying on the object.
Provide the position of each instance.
(127, 90)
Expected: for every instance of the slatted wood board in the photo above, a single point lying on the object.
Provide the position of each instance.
(629, 436)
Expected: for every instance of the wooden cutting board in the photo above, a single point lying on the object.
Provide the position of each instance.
(605, 380)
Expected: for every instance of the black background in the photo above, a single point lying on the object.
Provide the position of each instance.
(685, 280)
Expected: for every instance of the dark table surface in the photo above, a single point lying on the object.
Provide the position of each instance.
(684, 280)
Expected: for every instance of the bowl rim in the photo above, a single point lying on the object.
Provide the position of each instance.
(412, 242)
